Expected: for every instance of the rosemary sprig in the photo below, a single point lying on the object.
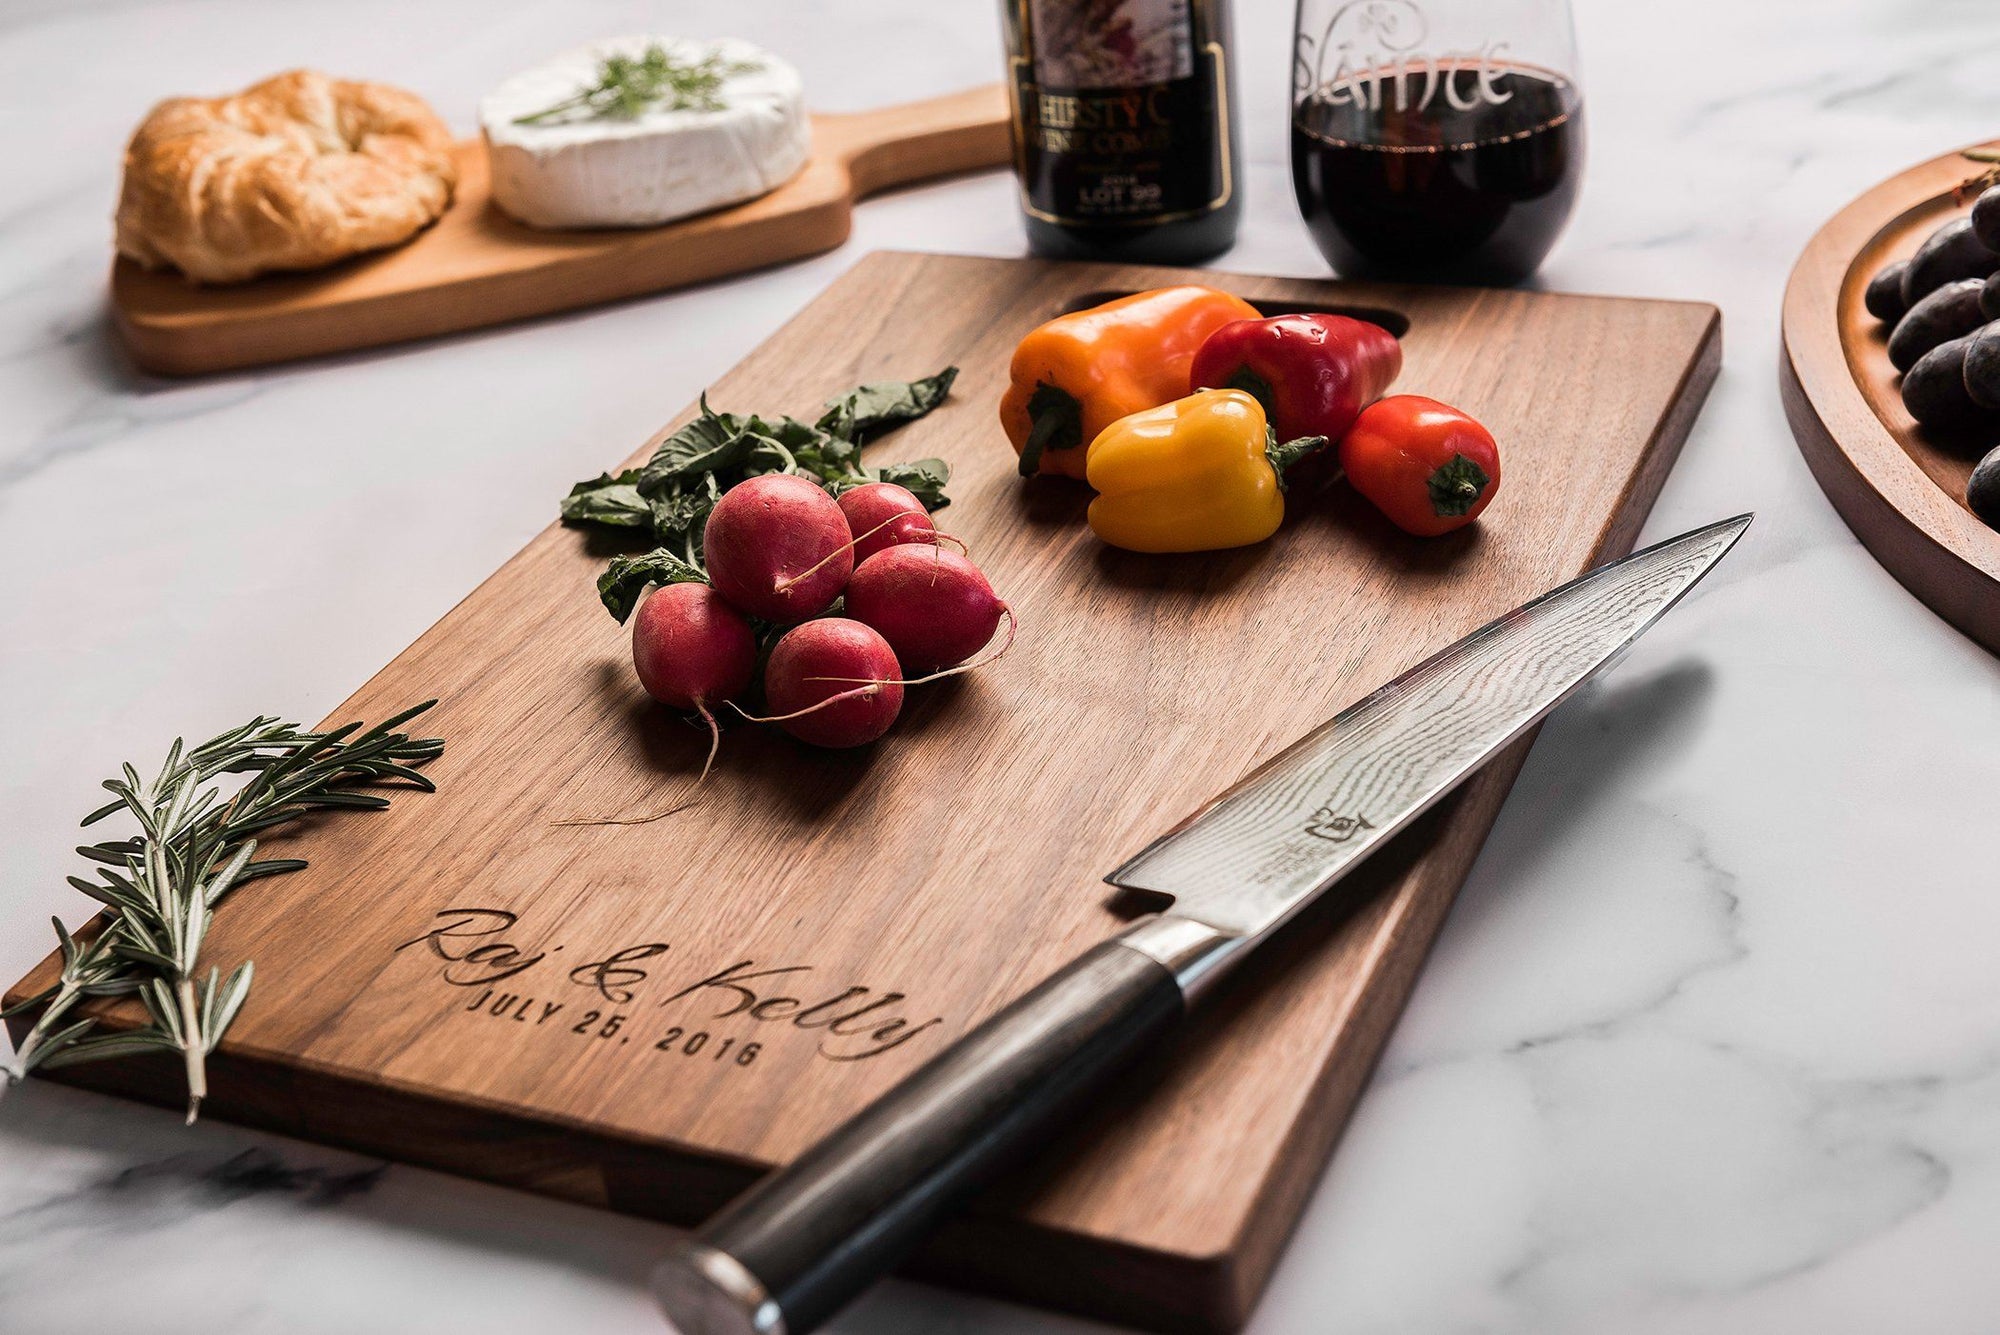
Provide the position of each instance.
(628, 86)
(194, 847)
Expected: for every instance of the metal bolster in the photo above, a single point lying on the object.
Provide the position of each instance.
(704, 1291)
(1196, 954)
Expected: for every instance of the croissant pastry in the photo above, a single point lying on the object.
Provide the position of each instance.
(294, 173)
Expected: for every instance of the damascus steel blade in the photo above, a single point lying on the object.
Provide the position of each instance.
(1252, 857)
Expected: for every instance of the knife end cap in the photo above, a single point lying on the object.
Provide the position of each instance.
(704, 1291)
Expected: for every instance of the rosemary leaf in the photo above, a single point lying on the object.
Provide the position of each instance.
(25, 1004)
(73, 1052)
(110, 854)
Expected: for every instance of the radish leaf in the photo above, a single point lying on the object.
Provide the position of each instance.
(627, 577)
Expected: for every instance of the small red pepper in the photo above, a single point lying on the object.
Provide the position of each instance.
(1424, 464)
(1313, 373)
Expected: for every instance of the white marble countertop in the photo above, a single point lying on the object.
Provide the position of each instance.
(1711, 1042)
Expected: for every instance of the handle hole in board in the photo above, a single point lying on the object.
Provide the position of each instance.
(1394, 321)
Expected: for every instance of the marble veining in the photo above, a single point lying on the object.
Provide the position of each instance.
(1712, 1040)
(167, 1188)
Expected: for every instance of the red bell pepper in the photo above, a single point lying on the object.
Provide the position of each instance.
(1424, 464)
(1313, 373)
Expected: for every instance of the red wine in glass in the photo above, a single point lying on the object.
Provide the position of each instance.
(1440, 188)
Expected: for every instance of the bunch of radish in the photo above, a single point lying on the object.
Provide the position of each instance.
(781, 554)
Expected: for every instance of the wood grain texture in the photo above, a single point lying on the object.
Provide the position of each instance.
(1899, 487)
(479, 267)
(956, 863)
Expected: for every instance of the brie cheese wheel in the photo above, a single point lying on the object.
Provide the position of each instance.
(579, 170)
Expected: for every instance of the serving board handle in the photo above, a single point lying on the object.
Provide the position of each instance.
(796, 1247)
(916, 141)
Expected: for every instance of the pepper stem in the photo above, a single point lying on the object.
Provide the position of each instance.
(1456, 486)
(1285, 455)
(1058, 425)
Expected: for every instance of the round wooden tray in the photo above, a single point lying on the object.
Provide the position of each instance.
(1899, 488)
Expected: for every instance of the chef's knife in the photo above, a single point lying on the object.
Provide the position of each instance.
(797, 1246)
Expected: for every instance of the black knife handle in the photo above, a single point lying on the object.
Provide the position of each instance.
(798, 1245)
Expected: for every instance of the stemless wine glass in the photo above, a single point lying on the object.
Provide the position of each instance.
(1440, 140)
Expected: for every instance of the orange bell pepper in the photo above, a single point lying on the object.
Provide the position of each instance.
(1079, 373)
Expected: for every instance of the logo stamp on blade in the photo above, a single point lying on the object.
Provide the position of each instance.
(1335, 827)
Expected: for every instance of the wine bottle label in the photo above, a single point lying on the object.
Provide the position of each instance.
(1119, 115)
(1127, 45)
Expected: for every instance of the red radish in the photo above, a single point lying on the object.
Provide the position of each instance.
(833, 682)
(692, 649)
(934, 607)
(778, 547)
(883, 515)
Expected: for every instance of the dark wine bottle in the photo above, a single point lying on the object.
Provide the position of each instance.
(1125, 132)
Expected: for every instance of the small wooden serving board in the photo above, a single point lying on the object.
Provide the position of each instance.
(1900, 487)
(476, 266)
(646, 1016)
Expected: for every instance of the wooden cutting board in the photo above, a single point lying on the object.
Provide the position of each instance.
(1900, 487)
(654, 1013)
(478, 267)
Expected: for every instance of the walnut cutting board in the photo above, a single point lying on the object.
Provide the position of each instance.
(478, 267)
(644, 1016)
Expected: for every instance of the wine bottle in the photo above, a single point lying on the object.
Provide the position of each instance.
(1125, 132)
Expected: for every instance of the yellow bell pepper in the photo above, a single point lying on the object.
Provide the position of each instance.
(1195, 475)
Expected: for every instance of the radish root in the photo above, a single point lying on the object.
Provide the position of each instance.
(994, 657)
(871, 686)
(785, 584)
(940, 537)
(688, 798)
